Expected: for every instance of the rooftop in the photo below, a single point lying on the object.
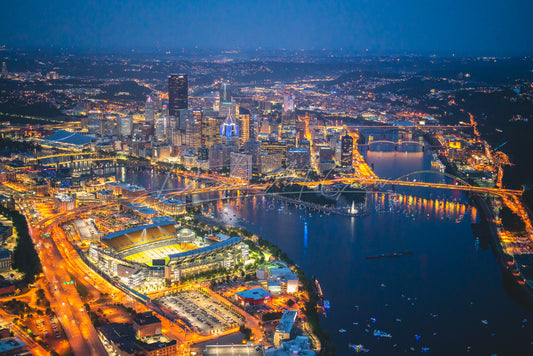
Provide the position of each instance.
(68, 137)
(233, 350)
(146, 318)
(255, 293)
(135, 229)
(199, 251)
(119, 334)
(287, 321)
(10, 345)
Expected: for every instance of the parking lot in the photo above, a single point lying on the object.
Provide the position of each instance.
(202, 312)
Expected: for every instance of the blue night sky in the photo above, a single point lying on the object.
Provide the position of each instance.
(423, 26)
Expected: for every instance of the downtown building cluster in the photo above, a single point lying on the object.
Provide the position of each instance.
(240, 138)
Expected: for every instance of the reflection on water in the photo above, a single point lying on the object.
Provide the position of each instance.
(441, 293)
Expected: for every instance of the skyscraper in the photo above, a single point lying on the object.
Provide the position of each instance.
(161, 127)
(149, 111)
(229, 128)
(225, 94)
(193, 134)
(178, 87)
(288, 103)
(244, 125)
(210, 130)
(225, 108)
(125, 125)
(241, 166)
(4, 70)
(288, 116)
(346, 151)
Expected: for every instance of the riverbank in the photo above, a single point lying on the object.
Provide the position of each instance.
(511, 270)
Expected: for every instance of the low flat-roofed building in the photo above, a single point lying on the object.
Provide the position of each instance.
(274, 286)
(6, 287)
(146, 325)
(170, 206)
(158, 348)
(298, 346)
(121, 338)
(104, 194)
(253, 296)
(13, 346)
(142, 212)
(6, 230)
(125, 189)
(5, 332)
(6, 260)
(285, 326)
(65, 202)
(233, 350)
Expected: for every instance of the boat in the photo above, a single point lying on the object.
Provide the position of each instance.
(358, 348)
(387, 255)
(318, 288)
(326, 304)
(379, 333)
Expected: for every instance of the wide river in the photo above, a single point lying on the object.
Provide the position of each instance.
(447, 298)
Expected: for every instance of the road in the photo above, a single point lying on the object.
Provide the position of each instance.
(66, 301)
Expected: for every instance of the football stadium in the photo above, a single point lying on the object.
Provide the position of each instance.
(159, 251)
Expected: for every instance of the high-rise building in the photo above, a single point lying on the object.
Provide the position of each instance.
(184, 116)
(210, 131)
(347, 151)
(270, 162)
(325, 153)
(193, 134)
(95, 119)
(218, 157)
(227, 108)
(288, 116)
(271, 146)
(254, 126)
(149, 111)
(178, 96)
(125, 125)
(229, 128)
(5, 73)
(244, 126)
(161, 127)
(288, 103)
(225, 93)
(253, 148)
(241, 166)
(298, 158)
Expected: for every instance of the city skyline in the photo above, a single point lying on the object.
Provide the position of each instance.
(266, 178)
(444, 27)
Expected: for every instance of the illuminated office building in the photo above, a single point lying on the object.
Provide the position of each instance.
(347, 151)
(149, 111)
(178, 87)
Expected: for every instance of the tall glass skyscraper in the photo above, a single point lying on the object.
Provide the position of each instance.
(178, 86)
(347, 151)
(225, 94)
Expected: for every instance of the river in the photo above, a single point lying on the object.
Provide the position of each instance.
(447, 296)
